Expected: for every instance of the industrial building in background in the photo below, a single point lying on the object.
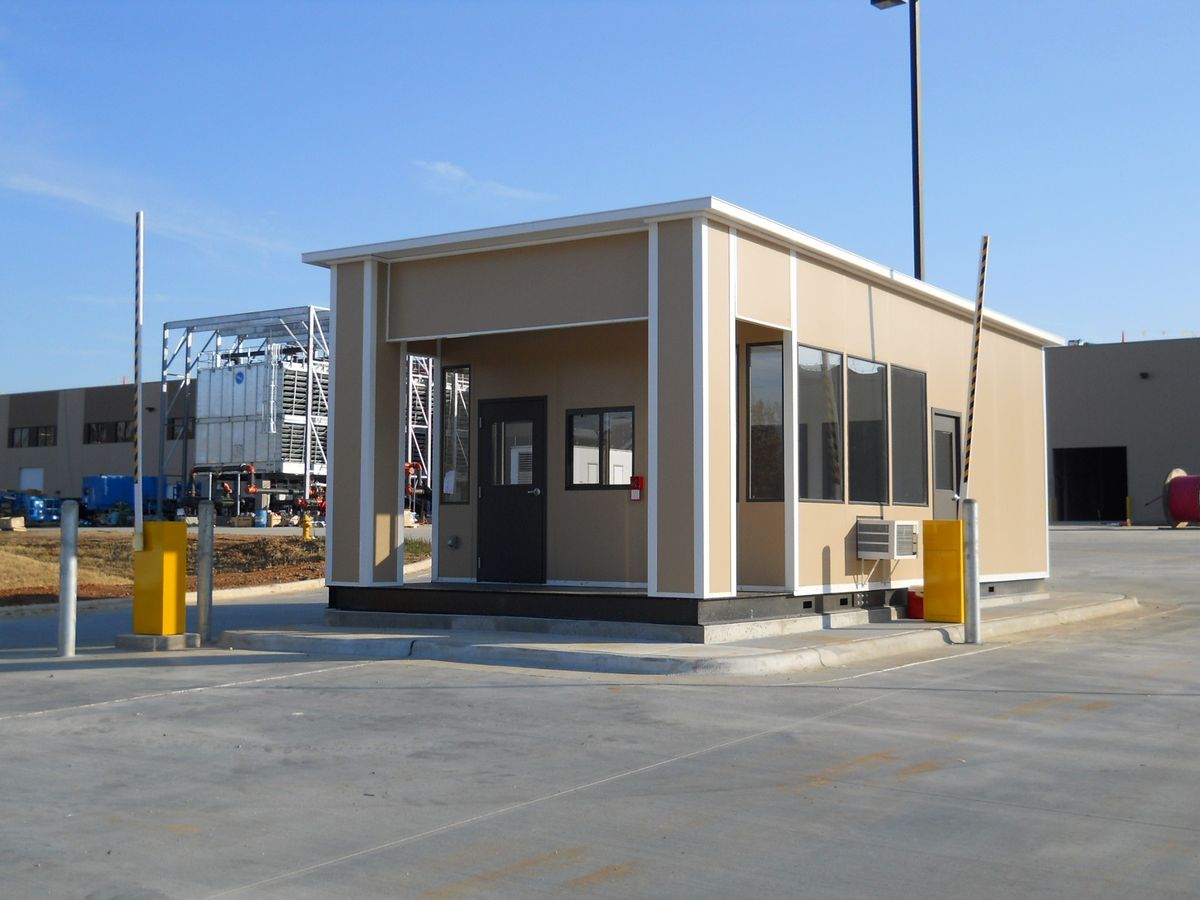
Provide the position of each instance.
(1120, 420)
(53, 444)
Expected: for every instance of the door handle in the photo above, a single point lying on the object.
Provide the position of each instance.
(537, 492)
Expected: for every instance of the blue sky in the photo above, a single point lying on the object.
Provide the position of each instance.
(250, 132)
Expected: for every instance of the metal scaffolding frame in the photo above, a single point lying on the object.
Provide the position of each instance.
(300, 332)
(420, 410)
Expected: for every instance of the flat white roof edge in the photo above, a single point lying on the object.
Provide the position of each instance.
(711, 206)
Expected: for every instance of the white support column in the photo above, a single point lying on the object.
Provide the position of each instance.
(791, 483)
(700, 437)
(331, 342)
(733, 411)
(401, 453)
(652, 418)
(435, 458)
(366, 484)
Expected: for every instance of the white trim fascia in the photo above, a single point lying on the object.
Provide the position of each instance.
(791, 434)
(330, 431)
(403, 445)
(1015, 576)
(625, 585)
(733, 410)
(849, 587)
(652, 416)
(593, 223)
(701, 571)
(778, 326)
(555, 327)
(1046, 462)
(435, 460)
(634, 218)
(366, 485)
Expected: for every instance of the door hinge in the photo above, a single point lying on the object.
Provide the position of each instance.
(478, 492)
(478, 564)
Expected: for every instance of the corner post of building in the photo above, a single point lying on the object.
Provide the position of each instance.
(435, 457)
(701, 510)
(330, 429)
(652, 375)
(384, 421)
(404, 414)
(366, 492)
(791, 481)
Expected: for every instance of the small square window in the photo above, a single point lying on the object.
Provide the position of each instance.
(599, 448)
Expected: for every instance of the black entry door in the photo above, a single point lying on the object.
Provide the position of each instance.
(512, 490)
(947, 466)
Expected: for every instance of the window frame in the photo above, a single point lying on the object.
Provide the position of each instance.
(750, 498)
(843, 459)
(604, 449)
(926, 431)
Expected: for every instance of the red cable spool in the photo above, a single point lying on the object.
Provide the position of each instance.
(1181, 497)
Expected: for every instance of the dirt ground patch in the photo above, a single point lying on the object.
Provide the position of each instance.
(29, 563)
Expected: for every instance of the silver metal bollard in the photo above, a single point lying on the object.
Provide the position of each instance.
(68, 576)
(204, 571)
(971, 567)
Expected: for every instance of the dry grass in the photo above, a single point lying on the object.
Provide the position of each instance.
(29, 562)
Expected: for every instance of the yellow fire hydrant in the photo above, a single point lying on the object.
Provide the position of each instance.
(306, 527)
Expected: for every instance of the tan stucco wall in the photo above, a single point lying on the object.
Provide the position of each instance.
(347, 421)
(841, 313)
(764, 281)
(598, 279)
(591, 535)
(676, 435)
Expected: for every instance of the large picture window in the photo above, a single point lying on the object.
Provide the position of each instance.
(910, 454)
(866, 407)
(456, 435)
(599, 448)
(819, 421)
(766, 422)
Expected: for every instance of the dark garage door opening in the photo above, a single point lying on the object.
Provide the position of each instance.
(1090, 484)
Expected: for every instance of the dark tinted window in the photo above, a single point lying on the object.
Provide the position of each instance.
(866, 394)
(766, 422)
(819, 421)
(909, 447)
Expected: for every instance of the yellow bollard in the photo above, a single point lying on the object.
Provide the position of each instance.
(160, 580)
(945, 582)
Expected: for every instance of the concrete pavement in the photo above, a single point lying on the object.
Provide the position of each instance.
(835, 640)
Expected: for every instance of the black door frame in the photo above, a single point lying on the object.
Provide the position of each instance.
(494, 408)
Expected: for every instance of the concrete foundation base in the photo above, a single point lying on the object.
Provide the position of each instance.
(189, 641)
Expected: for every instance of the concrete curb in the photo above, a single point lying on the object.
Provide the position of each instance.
(805, 659)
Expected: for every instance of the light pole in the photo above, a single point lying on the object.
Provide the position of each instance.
(914, 56)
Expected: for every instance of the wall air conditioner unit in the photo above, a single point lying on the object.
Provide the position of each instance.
(886, 539)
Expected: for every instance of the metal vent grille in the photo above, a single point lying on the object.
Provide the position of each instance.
(885, 539)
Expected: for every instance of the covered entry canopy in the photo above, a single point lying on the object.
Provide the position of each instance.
(767, 388)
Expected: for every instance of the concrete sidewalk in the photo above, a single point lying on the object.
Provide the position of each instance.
(839, 640)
